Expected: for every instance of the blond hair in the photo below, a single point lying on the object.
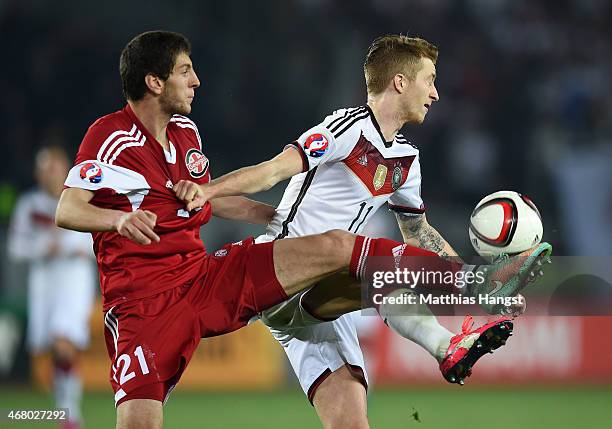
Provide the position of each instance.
(393, 54)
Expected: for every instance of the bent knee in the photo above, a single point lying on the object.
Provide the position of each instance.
(63, 350)
(339, 235)
(339, 242)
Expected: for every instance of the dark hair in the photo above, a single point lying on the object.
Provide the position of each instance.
(152, 52)
(392, 54)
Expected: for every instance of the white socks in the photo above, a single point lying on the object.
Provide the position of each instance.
(414, 322)
(68, 389)
(417, 323)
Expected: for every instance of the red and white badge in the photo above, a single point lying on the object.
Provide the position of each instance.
(196, 163)
(315, 145)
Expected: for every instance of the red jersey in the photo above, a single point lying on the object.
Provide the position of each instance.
(129, 170)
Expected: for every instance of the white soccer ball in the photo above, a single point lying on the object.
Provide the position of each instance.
(505, 222)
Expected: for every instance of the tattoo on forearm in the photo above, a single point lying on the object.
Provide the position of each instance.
(411, 223)
(430, 239)
(427, 237)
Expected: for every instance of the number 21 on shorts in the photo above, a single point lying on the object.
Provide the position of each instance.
(124, 363)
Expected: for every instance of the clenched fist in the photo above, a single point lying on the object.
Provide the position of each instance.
(138, 226)
(190, 193)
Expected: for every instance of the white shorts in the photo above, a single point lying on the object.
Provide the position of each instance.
(315, 349)
(60, 297)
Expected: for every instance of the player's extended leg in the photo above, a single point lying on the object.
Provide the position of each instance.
(140, 414)
(303, 261)
(456, 354)
(414, 322)
(338, 295)
(332, 297)
(341, 402)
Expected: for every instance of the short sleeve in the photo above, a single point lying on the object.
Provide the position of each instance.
(407, 199)
(103, 163)
(104, 166)
(317, 146)
(94, 175)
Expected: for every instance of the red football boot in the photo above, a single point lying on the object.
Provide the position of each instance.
(469, 346)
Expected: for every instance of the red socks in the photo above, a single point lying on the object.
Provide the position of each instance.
(63, 365)
(403, 256)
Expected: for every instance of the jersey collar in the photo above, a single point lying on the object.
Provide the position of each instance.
(375, 122)
(170, 156)
(141, 127)
(133, 117)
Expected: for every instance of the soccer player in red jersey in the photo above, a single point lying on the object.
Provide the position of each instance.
(161, 291)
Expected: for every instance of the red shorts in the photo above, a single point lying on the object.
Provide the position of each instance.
(150, 341)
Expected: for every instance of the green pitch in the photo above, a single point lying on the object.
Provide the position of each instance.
(473, 407)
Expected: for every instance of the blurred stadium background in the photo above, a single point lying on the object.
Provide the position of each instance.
(526, 104)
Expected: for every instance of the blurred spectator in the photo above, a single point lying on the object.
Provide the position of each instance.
(61, 278)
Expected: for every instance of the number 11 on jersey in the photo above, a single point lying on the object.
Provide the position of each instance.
(359, 219)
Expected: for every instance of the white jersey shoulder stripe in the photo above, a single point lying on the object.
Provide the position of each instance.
(183, 125)
(339, 117)
(400, 139)
(185, 122)
(333, 128)
(182, 118)
(351, 124)
(112, 137)
(125, 146)
(118, 142)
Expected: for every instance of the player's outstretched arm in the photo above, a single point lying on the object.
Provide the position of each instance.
(242, 209)
(75, 212)
(247, 180)
(419, 233)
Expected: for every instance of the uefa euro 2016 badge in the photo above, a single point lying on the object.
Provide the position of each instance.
(91, 172)
(196, 163)
(380, 176)
(315, 145)
(396, 179)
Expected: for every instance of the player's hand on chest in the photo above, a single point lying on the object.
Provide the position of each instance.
(187, 165)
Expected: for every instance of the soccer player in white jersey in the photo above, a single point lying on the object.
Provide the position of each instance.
(345, 169)
(61, 283)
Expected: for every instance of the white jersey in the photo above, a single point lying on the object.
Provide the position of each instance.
(350, 171)
(32, 231)
(61, 287)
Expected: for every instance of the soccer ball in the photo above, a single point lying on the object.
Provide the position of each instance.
(505, 222)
